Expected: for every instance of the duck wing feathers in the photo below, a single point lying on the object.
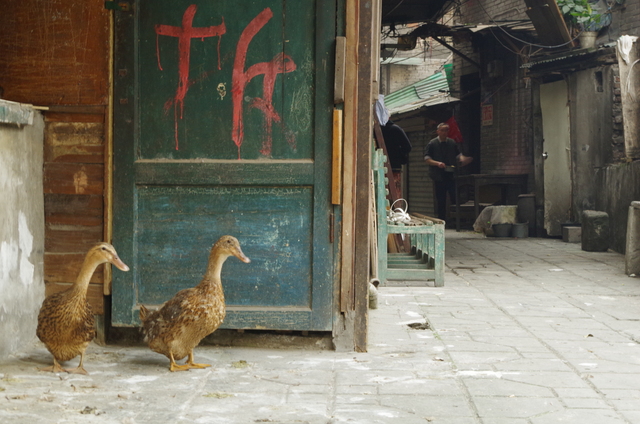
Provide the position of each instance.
(65, 325)
(183, 321)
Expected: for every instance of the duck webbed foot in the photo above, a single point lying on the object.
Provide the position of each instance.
(173, 366)
(54, 368)
(80, 369)
(189, 365)
(192, 364)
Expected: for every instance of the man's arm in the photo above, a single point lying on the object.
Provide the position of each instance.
(464, 160)
(432, 162)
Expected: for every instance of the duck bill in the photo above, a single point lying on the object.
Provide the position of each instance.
(238, 254)
(120, 265)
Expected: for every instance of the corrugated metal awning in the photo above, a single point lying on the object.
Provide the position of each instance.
(430, 91)
(569, 56)
(438, 99)
(407, 61)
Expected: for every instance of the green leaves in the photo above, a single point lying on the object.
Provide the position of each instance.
(578, 12)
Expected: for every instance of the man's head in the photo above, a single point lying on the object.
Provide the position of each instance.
(442, 130)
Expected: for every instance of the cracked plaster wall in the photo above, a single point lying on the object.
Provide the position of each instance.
(21, 233)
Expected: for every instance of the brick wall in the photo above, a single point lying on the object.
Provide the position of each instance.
(507, 143)
(482, 11)
(617, 138)
(627, 17)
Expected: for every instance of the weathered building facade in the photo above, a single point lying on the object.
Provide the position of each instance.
(551, 112)
(75, 61)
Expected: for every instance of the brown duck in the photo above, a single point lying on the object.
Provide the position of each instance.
(178, 327)
(65, 323)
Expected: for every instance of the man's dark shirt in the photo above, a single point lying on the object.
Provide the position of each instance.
(442, 151)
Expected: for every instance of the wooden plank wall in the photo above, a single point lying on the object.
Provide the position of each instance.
(74, 202)
(56, 54)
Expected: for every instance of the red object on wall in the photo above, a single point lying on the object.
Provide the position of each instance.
(454, 130)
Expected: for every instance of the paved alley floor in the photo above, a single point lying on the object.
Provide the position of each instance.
(525, 331)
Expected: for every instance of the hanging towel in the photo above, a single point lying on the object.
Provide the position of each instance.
(625, 44)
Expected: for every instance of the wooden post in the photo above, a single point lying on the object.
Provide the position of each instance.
(363, 175)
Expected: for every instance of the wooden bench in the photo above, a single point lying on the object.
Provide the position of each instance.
(426, 260)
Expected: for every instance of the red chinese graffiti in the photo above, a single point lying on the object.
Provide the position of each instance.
(280, 64)
(185, 34)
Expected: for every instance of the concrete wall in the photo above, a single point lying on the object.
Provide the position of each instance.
(591, 99)
(412, 65)
(21, 233)
(597, 144)
(618, 185)
(395, 77)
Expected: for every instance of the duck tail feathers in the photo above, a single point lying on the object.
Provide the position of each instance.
(144, 313)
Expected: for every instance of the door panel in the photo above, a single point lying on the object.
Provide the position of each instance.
(224, 127)
(174, 227)
(557, 165)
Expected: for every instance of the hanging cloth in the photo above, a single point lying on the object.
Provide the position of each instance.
(454, 130)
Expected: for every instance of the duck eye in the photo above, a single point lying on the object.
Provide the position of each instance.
(104, 248)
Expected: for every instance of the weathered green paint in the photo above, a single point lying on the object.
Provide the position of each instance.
(185, 175)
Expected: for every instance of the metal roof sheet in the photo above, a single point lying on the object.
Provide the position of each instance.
(431, 90)
(411, 61)
(438, 99)
(571, 54)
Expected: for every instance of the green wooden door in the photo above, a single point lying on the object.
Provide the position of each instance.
(222, 126)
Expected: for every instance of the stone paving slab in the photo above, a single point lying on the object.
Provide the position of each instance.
(525, 331)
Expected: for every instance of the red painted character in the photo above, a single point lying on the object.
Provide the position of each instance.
(185, 34)
(280, 64)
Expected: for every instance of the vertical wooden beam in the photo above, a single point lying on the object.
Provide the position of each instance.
(108, 161)
(376, 29)
(363, 174)
(349, 164)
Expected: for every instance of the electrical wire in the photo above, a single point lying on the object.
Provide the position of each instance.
(518, 39)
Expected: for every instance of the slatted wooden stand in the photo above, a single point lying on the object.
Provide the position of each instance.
(426, 260)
